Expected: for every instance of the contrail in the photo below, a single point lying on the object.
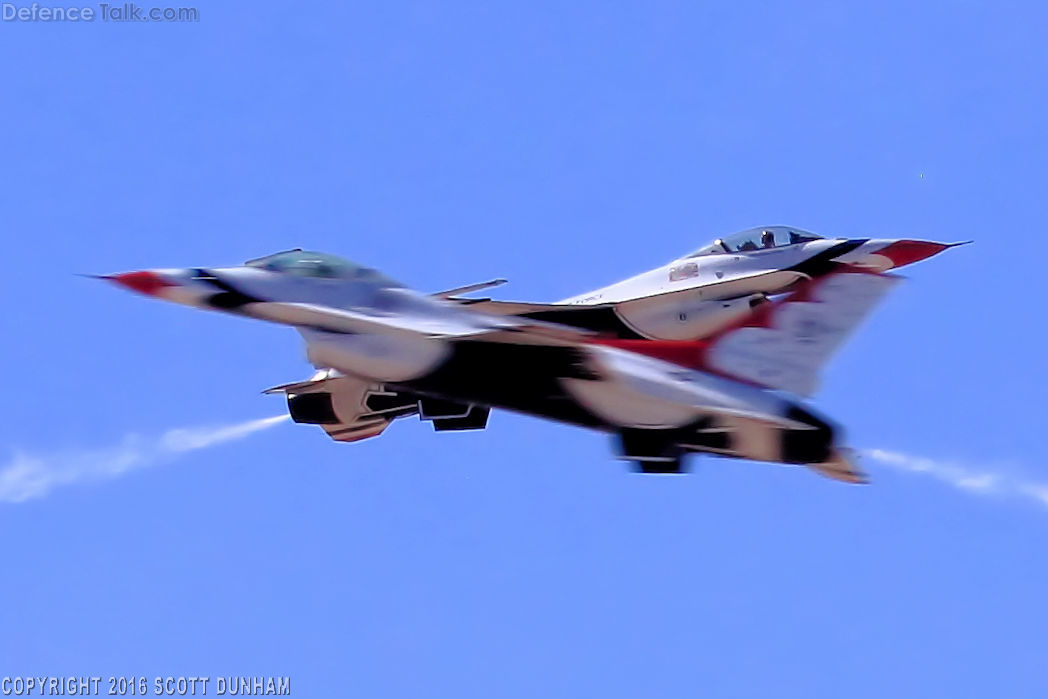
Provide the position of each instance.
(977, 482)
(26, 476)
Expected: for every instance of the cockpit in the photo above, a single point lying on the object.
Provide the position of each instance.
(317, 265)
(756, 239)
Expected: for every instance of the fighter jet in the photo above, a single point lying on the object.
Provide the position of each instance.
(383, 351)
(715, 286)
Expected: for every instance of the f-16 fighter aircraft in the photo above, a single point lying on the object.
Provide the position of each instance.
(383, 351)
(716, 285)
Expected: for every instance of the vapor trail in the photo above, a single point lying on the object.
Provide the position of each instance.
(26, 476)
(977, 482)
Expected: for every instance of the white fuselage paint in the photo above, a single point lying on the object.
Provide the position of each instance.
(712, 270)
(684, 316)
(374, 356)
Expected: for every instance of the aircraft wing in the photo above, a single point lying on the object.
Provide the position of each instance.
(658, 408)
(781, 345)
(450, 326)
(663, 407)
(340, 320)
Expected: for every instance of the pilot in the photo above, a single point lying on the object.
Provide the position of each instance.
(767, 239)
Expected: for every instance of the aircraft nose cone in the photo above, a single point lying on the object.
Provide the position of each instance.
(148, 283)
(905, 252)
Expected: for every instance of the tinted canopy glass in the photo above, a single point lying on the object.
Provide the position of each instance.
(757, 239)
(318, 265)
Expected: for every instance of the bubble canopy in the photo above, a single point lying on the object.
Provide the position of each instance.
(318, 265)
(757, 239)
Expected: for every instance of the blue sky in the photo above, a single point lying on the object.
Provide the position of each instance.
(564, 146)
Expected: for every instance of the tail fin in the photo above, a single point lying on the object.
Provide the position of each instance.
(785, 343)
